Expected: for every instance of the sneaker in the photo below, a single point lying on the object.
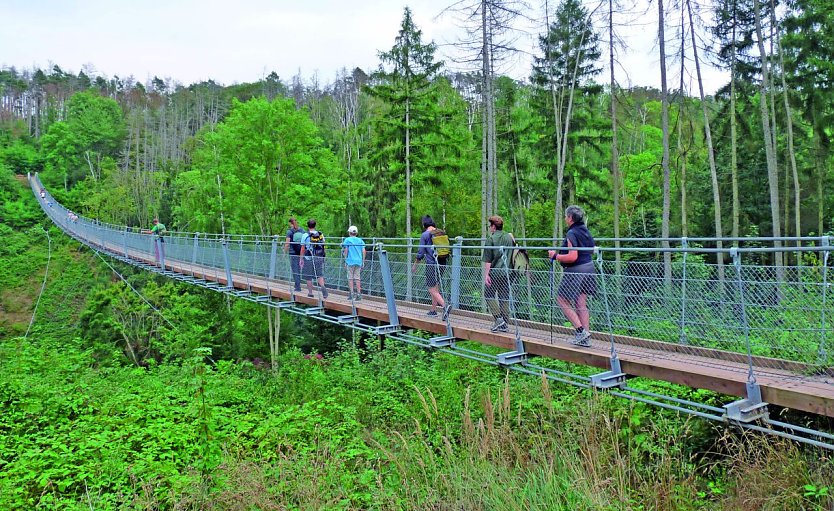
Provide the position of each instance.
(310, 295)
(500, 326)
(582, 338)
(357, 298)
(432, 313)
(350, 296)
(446, 310)
(324, 292)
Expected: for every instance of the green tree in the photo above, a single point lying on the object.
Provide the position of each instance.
(268, 162)
(404, 84)
(77, 147)
(569, 59)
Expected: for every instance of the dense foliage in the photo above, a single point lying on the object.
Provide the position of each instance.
(133, 392)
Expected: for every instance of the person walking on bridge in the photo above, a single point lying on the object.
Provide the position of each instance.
(292, 247)
(578, 278)
(312, 258)
(353, 249)
(434, 268)
(496, 282)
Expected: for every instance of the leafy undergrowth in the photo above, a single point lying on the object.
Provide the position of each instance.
(397, 428)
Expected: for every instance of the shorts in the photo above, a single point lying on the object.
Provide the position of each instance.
(434, 272)
(313, 268)
(353, 272)
(578, 280)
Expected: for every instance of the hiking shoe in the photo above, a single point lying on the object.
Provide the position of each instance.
(357, 298)
(500, 326)
(582, 338)
(324, 292)
(350, 296)
(432, 314)
(310, 295)
(446, 310)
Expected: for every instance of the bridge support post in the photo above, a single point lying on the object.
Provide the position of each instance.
(822, 350)
(124, 243)
(273, 258)
(615, 377)
(456, 263)
(752, 407)
(194, 250)
(160, 248)
(684, 246)
(390, 299)
(229, 283)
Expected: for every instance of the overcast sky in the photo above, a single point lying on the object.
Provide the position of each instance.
(193, 40)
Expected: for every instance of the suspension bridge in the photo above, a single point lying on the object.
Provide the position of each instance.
(742, 327)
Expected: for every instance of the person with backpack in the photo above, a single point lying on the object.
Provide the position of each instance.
(498, 247)
(312, 258)
(354, 253)
(434, 249)
(292, 247)
(160, 231)
(578, 278)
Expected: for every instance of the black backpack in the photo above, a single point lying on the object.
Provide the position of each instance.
(317, 244)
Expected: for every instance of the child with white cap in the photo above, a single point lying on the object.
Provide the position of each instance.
(353, 249)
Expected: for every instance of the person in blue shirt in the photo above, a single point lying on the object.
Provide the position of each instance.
(353, 249)
(578, 277)
(434, 268)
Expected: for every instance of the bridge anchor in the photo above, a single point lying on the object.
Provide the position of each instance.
(609, 379)
(385, 329)
(749, 409)
(512, 357)
(442, 341)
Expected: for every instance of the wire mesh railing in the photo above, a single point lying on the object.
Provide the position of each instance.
(777, 319)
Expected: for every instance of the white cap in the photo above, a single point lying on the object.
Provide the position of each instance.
(352, 229)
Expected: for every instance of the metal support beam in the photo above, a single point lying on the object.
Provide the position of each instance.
(273, 257)
(160, 247)
(456, 263)
(229, 283)
(682, 336)
(388, 286)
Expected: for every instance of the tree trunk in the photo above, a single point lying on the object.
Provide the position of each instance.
(664, 95)
(791, 151)
(615, 157)
(716, 195)
(409, 255)
(772, 175)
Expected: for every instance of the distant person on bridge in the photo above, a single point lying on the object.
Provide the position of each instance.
(353, 249)
(435, 264)
(578, 279)
(292, 246)
(496, 282)
(159, 230)
(312, 258)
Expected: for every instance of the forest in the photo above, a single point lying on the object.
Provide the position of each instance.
(121, 390)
